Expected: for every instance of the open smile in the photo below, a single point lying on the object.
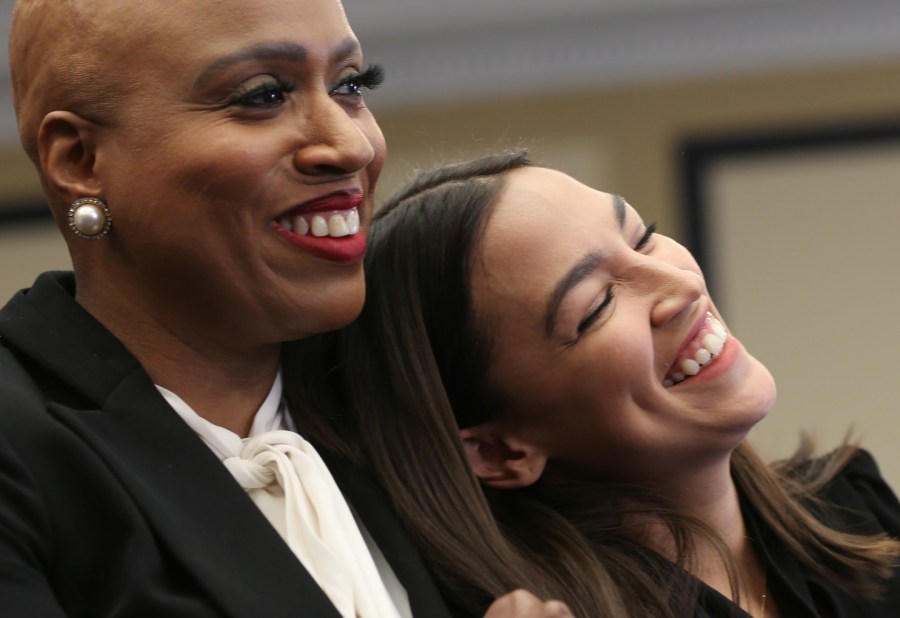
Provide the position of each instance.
(336, 224)
(706, 345)
(335, 215)
(327, 227)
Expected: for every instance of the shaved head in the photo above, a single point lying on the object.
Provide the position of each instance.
(69, 55)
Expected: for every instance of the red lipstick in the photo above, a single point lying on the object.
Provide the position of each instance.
(347, 249)
(339, 200)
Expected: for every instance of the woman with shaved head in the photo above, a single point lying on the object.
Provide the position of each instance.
(210, 164)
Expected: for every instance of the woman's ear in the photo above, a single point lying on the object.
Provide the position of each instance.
(67, 146)
(502, 460)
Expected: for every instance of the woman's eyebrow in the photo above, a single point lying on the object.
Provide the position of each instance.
(282, 50)
(580, 271)
(620, 206)
(276, 51)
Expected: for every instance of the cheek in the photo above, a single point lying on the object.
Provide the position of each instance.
(563, 397)
(193, 181)
(229, 168)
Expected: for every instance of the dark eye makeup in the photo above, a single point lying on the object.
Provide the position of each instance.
(261, 93)
(269, 92)
(355, 84)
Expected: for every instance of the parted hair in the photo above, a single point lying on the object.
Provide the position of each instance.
(393, 390)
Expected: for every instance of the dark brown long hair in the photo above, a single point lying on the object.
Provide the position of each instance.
(393, 389)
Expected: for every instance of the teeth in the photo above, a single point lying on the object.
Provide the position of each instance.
(301, 226)
(690, 367)
(319, 226)
(718, 328)
(702, 356)
(714, 343)
(335, 225)
(710, 346)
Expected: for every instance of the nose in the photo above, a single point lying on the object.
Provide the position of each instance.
(335, 143)
(673, 289)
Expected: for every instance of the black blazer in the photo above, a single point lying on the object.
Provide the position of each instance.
(111, 506)
(857, 500)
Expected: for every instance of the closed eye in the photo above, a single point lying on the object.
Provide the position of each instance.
(594, 315)
(597, 312)
(648, 234)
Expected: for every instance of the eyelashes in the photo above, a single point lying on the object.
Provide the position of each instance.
(267, 92)
(370, 79)
(261, 93)
(648, 234)
(594, 315)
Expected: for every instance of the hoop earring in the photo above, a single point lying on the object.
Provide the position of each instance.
(89, 218)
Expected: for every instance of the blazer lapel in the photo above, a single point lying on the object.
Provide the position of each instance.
(372, 506)
(199, 513)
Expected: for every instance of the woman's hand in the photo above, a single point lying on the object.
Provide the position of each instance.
(523, 604)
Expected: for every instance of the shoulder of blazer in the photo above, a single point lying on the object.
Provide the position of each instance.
(78, 401)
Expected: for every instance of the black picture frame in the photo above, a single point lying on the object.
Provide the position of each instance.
(698, 155)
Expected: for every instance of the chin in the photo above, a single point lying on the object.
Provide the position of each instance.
(759, 393)
(336, 321)
(333, 313)
(330, 305)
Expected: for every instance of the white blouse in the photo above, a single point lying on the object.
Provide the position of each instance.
(285, 477)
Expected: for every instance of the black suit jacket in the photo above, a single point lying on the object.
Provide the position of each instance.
(111, 506)
(856, 500)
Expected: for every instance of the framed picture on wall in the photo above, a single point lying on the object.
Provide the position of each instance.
(797, 231)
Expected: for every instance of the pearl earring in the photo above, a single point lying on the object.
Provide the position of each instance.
(89, 218)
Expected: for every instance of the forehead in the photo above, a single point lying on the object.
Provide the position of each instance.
(176, 32)
(197, 15)
(542, 223)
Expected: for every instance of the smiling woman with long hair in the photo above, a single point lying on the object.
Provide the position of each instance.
(549, 394)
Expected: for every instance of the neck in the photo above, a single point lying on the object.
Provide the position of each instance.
(710, 495)
(226, 392)
(225, 383)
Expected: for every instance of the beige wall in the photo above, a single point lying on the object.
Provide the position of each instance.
(18, 180)
(634, 132)
(625, 141)
(29, 247)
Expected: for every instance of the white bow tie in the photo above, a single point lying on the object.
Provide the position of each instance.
(285, 477)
